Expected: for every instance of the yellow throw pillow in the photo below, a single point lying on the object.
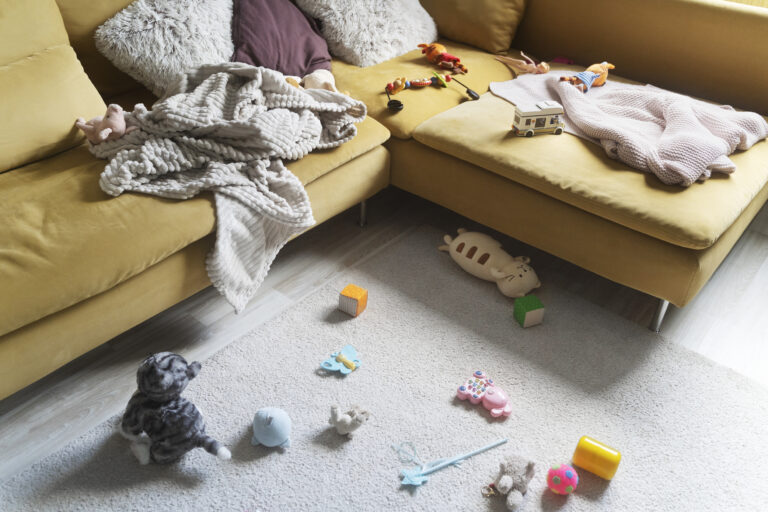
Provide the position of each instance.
(43, 87)
(486, 24)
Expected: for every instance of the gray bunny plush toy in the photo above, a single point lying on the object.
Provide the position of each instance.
(514, 474)
(161, 424)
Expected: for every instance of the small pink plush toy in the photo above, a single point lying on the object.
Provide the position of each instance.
(110, 127)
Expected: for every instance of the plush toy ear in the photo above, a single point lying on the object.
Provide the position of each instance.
(523, 259)
(193, 369)
(530, 470)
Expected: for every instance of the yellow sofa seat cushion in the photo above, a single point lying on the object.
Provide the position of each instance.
(486, 24)
(579, 173)
(43, 88)
(367, 85)
(65, 240)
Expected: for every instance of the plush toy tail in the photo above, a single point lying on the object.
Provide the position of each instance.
(213, 447)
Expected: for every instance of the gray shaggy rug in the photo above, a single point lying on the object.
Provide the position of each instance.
(692, 433)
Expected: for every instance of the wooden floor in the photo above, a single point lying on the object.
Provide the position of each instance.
(727, 322)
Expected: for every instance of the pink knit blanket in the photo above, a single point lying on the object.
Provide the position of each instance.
(679, 139)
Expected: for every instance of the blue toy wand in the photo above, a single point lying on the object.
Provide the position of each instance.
(418, 475)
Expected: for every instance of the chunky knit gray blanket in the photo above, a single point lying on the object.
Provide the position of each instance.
(679, 139)
(227, 129)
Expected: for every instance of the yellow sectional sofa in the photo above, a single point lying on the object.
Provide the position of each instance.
(78, 267)
(563, 194)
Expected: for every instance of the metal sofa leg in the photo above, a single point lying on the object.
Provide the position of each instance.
(363, 213)
(658, 317)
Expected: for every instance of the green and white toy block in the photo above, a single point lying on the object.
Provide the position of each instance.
(529, 310)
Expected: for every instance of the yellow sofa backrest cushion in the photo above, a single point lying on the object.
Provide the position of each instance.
(486, 24)
(713, 49)
(43, 87)
(81, 19)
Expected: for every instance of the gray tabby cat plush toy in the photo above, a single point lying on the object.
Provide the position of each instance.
(161, 424)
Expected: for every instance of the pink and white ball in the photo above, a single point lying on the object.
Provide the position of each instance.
(562, 479)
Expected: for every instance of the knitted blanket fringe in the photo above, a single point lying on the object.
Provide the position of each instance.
(679, 139)
(227, 129)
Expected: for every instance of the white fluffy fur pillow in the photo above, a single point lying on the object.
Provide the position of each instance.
(366, 32)
(155, 41)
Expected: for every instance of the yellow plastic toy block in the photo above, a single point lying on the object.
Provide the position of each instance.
(596, 457)
(353, 299)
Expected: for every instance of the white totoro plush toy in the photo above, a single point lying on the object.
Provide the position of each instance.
(483, 257)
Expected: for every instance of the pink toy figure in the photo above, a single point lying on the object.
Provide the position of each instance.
(481, 388)
(562, 479)
(526, 65)
(110, 127)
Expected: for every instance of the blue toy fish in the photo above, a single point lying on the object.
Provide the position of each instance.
(345, 361)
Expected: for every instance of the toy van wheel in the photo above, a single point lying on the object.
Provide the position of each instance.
(558, 131)
(529, 133)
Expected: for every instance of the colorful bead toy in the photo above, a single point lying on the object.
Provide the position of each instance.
(400, 84)
(480, 388)
(562, 479)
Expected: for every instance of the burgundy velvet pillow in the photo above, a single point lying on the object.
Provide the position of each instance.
(277, 35)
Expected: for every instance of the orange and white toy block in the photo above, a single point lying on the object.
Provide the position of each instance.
(353, 299)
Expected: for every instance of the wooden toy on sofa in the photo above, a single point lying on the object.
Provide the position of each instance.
(528, 311)
(483, 257)
(400, 84)
(353, 299)
(596, 457)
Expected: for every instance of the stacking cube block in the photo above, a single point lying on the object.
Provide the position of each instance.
(529, 310)
(353, 299)
(596, 457)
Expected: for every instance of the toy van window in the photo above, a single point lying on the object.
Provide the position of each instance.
(460, 247)
(471, 252)
(527, 122)
(541, 122)
(517, 119)
(482, 259)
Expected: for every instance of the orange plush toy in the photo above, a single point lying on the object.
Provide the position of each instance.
(437, 54)
(594, 76)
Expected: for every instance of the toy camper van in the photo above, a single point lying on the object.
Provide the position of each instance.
(543, 117)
